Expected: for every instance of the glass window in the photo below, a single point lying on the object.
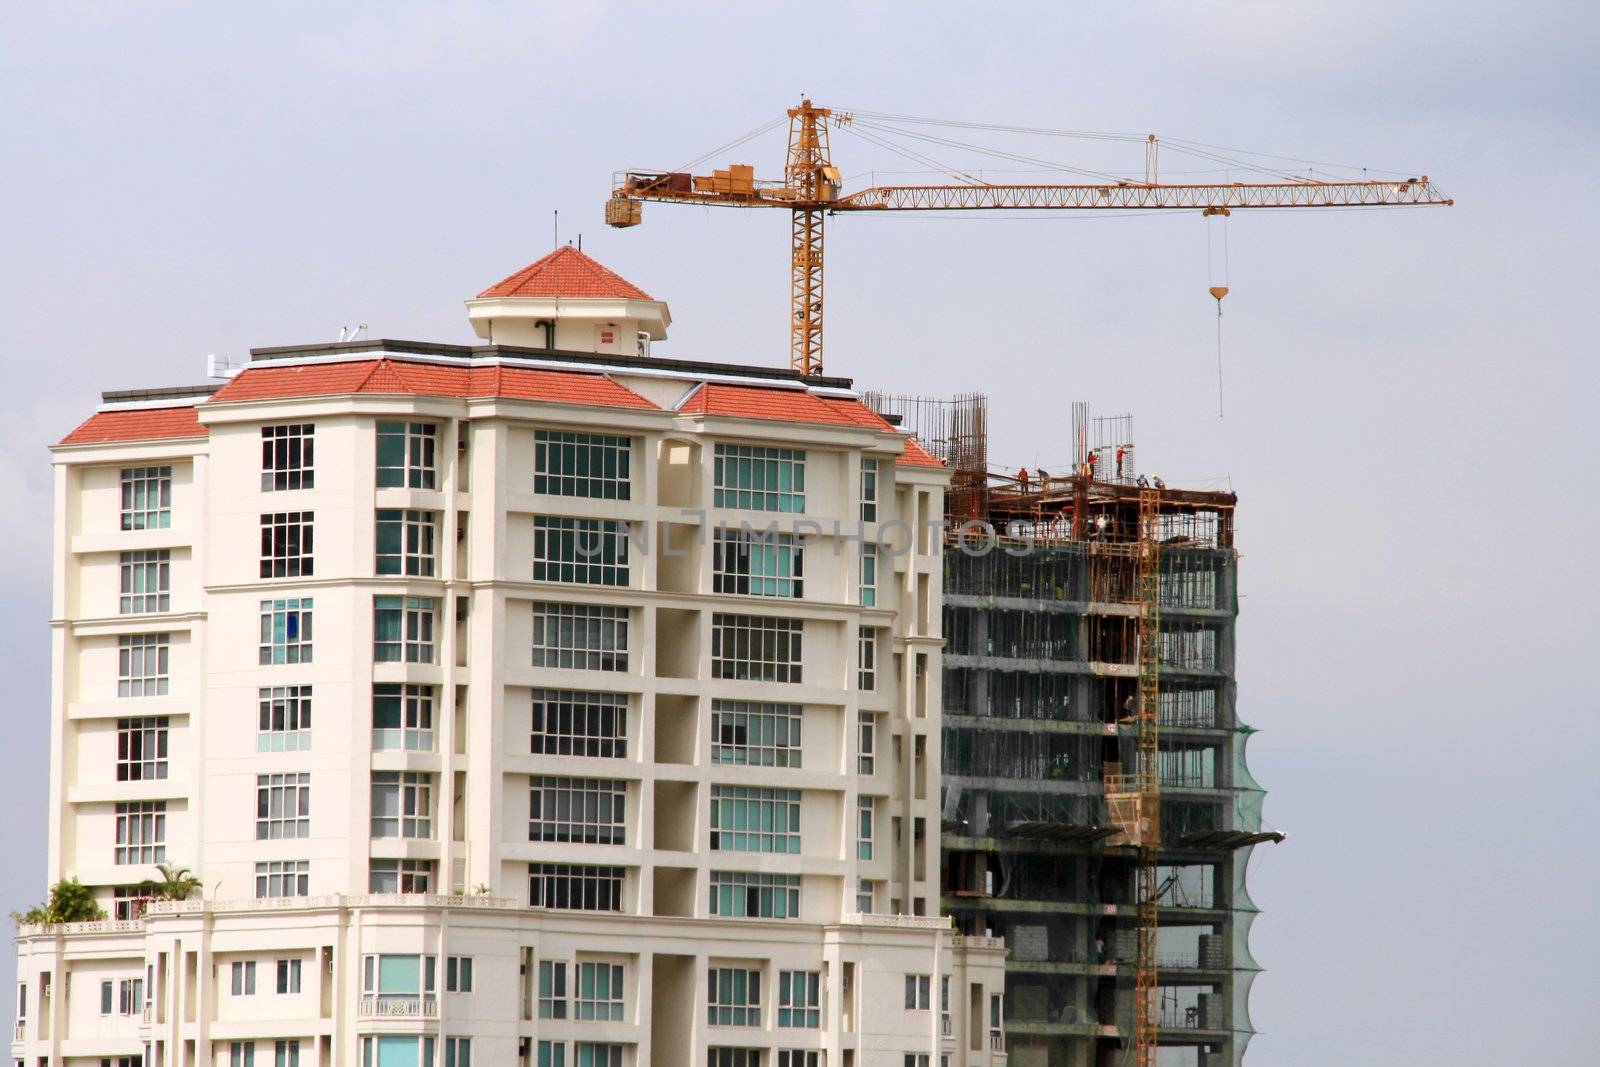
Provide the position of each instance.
(286, 1053)
(754, 478)
(403, 629)
(146, 582)
(458, 1052)
(733, 1057)
(869, 575)
(405, 542)
(458, 974)
(400, 876)
(753, 563)
(130, 996)
(745, 894)
(866, 760)
(867, 660)
(574, 887)
(288, 977)
(146, 498)
(918, 987)
(798, 1057)
(402, 717)
(141, 749)
(141, 832)
(287, 457)
(580, 636)
(584, 551)
(283, 806)
(241, 1054)
(756, 648)
(570, 722)
(285, 631)
(596, 1054)
(581, 464)
(735, 996)
(397, 1050)
(244, 978)
(753, 734)
(865, 892)
(799, 998)
(283, 878)
(599, 992)
(552, 989)
(865, 808)
(552, 1054)
(406, 452)
(590, 810)
(402, 804)
(142, 663)
(752, 819)
(286, 543)
(869, 489)
(283, 720)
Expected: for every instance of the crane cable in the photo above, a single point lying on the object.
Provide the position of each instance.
(735, 143)
(1218, 292)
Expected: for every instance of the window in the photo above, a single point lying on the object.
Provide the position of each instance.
(130, 996)
(735, 996)
(399, 980)
(141, 749)
(108, 994)
(402, 804)
(757, 564)
(751, 734)
(579, 723)
(403, 1049)
(142, 664)
(241, 1054)
(585, 551)
(798, 1057)
(799, 998)
(288, 977)
(458, 1052)
(286, 543)
(916, 1059)
(146, 498)
(287, 457)
(869, 489)
(552, 989)
(146, 581)
(141, 832)
(867, 660)
(403, 628)
(400, 876)
(754, 478)
(128, 901)
(867, 724)
(285, 631)
(865, 892)
(552, 1054)
(596, 1054)
(283, 718)
(755, 648)
(574, 887)
(590, 810)
(745, 894)
(869, 575)
(405, 542)
(283, 806)
(585, 637)
(917, 989)
(865, 807)
(283, 878)
(733, 1057)
(286, 1053)
(458, 974)
(750, 819)
(580, 464)
(244, 978)
(599, 992)
(406, 453)
(994, 1020)
(402, 717)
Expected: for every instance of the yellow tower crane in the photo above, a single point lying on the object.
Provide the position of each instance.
(812, 187)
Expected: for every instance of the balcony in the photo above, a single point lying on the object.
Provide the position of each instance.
(19, 1030)
(997, 1041)
(399, 1006)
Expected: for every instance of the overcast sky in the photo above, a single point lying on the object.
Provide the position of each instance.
(1410, 394)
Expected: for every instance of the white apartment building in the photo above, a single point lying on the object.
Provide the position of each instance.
(535, 703)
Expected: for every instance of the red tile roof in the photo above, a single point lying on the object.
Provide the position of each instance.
(137, 425)
(917, 456)
(794, 405)
(428, 379)
(566, 272)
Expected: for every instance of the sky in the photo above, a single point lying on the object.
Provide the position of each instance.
(1409, 394)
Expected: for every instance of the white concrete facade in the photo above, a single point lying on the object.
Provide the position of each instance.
(340, 967)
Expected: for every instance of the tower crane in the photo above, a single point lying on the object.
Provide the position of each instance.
(812, 188)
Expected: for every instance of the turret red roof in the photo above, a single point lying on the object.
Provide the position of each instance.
(567, 272)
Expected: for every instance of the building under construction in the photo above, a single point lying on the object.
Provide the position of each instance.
(1097, 809)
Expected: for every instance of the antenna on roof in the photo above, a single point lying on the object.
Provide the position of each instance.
(219, 367)
(555, 228)
(350, 333)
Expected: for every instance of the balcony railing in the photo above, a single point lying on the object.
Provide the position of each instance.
(399, 1006)
(946, 1026)
(997, 1041)
(19, 1030)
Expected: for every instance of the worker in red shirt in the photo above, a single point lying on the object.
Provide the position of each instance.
(1089, 463)
(1022, 478)
(1121, 452)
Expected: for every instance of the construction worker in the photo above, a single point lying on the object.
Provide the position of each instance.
(1089, 463)
(1022, 478)
(1044, 480)
(1121, 452)
(1159, 483)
